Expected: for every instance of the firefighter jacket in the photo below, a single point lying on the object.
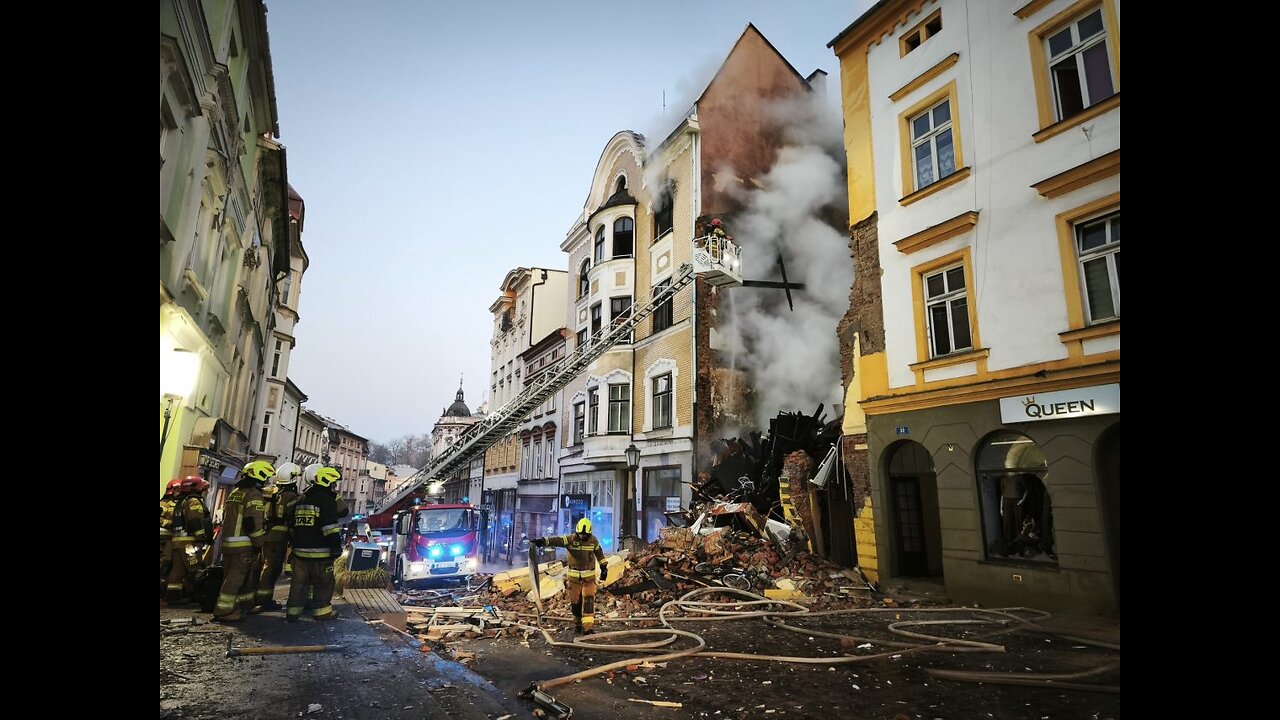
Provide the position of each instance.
(167, 507)
(583, 553)
(242, 518)
(277, 528)
(191, 520)
(312, 520)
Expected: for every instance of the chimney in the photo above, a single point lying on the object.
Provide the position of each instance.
(818, 81)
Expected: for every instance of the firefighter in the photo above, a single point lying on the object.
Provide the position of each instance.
(312, 520)
(584, 551)
(309, 474)
(191, 531)
(243, 534)
(277, 543)
(168, 503)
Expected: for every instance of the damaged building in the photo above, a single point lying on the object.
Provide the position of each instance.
(685, 383)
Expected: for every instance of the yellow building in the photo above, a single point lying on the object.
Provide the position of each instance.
(983, 148)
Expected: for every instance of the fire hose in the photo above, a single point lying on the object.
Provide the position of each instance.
(733, 609)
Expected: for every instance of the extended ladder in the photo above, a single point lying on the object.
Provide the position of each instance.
(499, 423)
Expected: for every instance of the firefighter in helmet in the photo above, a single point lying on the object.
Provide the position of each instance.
(584, 550)
(243, 533)
(314, 532)
(277, 542)
(192, 530)
(168, 503)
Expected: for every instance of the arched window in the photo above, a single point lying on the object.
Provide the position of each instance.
(621, 186)
(599, 248)
(1017, 514)
(624, 232)
(584, 284)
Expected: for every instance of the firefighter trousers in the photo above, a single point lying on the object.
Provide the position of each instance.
(582, 599)
(272, 565)
(182, 570)
(312, 579)
(238, 581)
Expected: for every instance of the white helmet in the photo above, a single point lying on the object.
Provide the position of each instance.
(287, 473)
(309, 472)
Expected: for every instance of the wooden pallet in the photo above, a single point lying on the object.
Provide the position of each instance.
(377, 605)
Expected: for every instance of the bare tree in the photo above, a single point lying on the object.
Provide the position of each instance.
(379, 453)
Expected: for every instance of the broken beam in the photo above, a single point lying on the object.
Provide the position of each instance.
(773, 284)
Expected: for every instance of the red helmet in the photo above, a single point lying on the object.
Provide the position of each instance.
(193, 483)
(715, 222)
(173, 487)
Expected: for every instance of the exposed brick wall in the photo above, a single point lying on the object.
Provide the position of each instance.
(866, 311)
(857, 466)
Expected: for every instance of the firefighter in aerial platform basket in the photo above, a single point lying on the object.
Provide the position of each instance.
(584, 550)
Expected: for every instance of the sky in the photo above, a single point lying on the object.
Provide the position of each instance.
(438, 145)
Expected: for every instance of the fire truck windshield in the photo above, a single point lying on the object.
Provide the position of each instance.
(444, 522)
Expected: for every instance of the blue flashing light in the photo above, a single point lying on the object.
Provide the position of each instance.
(455, 550)
(435, 551)
(466, 499)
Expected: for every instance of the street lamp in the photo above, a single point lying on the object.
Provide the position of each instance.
(633, 461)
(178, 370)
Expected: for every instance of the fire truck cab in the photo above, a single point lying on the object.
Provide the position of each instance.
(434, 542)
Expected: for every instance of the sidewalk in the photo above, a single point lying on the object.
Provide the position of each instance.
(370, 677)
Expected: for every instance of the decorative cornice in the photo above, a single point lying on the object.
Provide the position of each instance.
(1080, 175)
(942, 231)
(925, 77)
(1030, 8)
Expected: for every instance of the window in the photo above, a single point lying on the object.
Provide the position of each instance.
(912, 39)
(275, 362)
(1078, 65)
(551, 455)
(661, 487)
(618, 309)
(582, 337)
(662, 401)
(599, 247)
(663, 315)
(624, 233)
(266, 430)
(584, 282)
(1098, 249)
(593, 411)
(620, 408)
(932, 148)
(1017, 514)
(288, 288)
(595, 320)
(578, 418)
(539, 458)
(947, 309)
(663, 216)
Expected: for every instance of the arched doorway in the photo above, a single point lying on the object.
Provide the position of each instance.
(1017, 512)
(1107, 463)
(913, 503)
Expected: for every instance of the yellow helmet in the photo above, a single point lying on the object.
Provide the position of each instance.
(259, 470)
(584, 525)
(327, 476)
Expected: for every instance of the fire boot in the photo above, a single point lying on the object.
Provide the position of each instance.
(577, 616)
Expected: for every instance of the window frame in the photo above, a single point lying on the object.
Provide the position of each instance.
(946, 300)
(597, 251)
(663, 399)
(923, 30)
(579, 422)
(593, 411)
(1046, 97)
(623, 405)
(924, 345)
(631, 245)
(664, 312)
(1076, 53)
(907, 141)
(584, 278)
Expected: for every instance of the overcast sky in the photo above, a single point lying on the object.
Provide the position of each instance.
(440, 144)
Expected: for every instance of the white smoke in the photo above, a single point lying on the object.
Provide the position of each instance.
(792, 357)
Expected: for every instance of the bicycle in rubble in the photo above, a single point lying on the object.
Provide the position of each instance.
(725, 575)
